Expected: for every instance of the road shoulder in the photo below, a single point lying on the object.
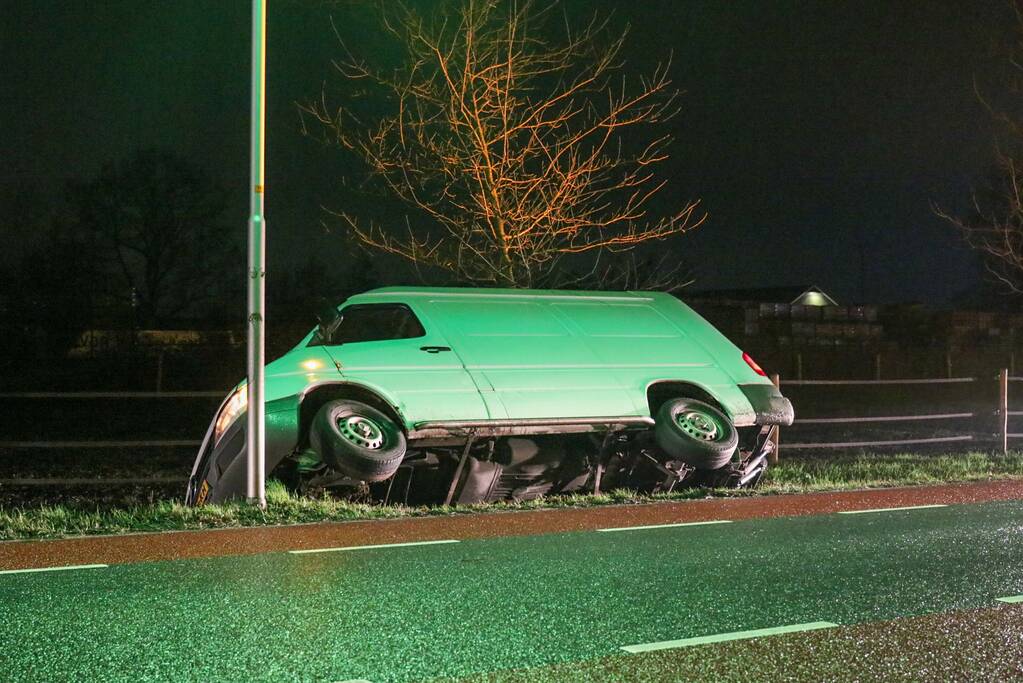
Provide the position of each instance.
(254, 540)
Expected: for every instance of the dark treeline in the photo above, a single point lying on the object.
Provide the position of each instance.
(146, 244)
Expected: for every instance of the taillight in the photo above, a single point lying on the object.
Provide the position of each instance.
(753, 364)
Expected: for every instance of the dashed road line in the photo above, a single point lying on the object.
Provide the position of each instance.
(722, 637)
(667, 526)
(53, 569)
(1012, 599)
(369, 547)
(908, 507)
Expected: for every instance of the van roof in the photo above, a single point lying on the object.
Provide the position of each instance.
(489, 293)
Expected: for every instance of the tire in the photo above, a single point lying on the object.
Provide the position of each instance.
(696, 433)
(357, 440)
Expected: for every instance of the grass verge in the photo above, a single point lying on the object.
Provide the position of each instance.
(792, 475)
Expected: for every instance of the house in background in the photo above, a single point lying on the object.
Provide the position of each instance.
(797, 315)
(801, 295)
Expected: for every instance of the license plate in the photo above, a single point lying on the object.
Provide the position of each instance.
(204, 491)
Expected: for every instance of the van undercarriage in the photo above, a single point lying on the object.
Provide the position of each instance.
(491, 463)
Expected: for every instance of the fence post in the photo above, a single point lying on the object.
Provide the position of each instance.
(1003, 409)
(799, 366)
(159, 372)
(948, 364)
(772, 459)
(877, 366)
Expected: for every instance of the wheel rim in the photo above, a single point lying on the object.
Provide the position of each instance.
(698, 425)
(362, 431)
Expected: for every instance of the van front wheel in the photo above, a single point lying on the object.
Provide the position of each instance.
(696, 433)
(357, 440)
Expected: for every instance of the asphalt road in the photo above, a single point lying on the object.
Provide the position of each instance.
(457, 609)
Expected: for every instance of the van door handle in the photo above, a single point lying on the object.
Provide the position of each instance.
(434, 349)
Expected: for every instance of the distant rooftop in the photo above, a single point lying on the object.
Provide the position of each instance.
(807, 295)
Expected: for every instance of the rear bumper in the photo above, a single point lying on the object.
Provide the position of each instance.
(769, 405)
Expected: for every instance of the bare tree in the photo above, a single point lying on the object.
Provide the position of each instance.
(628, 270)
(152, 224)
(994, 224)
(523, 143)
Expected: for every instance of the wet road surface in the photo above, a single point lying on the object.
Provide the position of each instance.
(983, 645)
(466, 607)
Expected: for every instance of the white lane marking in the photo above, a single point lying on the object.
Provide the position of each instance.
(908, 507)
(53, 569)
(369, 547)
(722, 637)
(667, 526)
(1011, 599)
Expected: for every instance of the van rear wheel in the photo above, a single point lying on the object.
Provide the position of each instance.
(696, 433)
(358, 440)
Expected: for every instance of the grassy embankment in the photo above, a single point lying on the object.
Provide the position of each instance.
(793, 475)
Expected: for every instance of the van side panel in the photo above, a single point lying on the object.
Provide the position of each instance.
(641, 344)
(532, 361)
(550, 354)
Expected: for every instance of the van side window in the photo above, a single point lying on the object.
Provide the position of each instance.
(376, 322)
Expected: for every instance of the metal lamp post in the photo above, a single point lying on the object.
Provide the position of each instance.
(256, 434)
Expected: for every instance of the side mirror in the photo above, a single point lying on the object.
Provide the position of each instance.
(329, 319)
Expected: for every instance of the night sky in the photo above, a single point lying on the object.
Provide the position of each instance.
(817, 134)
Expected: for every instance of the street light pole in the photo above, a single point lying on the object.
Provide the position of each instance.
(256, 433)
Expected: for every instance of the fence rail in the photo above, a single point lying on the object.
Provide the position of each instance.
(1001, 436)
(91, 481)
(893, 442)
(821, 382)
(153, 443)
(113, 394)
(107, 443)
(885, 418)
(95, 444)
(1002, 411)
